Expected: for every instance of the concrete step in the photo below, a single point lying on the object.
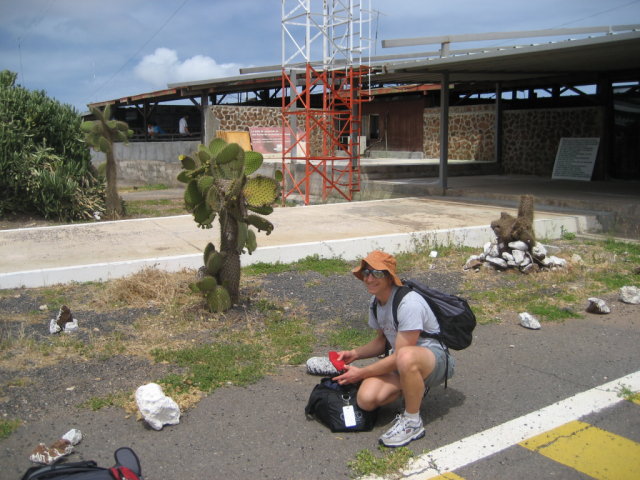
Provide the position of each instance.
(396, 170)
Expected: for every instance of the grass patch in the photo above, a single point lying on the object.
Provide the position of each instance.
(7, 427)
(550, 313)
(154, 208)
(391, 461)
(349, 338)
(291, 343)
(111, 400)
(144, 188)
(628, 394)
(615, 281)
(213, 365)
(629, 251)
(326, 266)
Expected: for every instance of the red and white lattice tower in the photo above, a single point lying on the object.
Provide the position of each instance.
(326, 46)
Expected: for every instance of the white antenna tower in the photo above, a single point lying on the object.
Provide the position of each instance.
(326, 33)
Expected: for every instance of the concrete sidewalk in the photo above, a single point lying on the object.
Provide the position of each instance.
(36, 257)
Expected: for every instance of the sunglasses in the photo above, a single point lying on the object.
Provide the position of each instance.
(376, 273)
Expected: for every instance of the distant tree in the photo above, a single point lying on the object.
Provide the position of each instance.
(45, 166)
(101, 134)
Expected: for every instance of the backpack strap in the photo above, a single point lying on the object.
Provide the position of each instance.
(400, 294)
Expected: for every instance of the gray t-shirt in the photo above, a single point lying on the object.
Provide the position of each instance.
(413, 314)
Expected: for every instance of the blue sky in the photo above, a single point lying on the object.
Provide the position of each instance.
(82, 51)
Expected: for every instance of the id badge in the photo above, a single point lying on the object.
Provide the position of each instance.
(349, 416)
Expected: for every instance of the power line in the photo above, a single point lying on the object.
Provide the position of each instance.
(34, 23)
(598, 13)
(175, 12)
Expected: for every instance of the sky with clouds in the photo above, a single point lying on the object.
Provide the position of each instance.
(89, 50)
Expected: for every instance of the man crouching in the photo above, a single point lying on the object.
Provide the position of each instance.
(415, 362)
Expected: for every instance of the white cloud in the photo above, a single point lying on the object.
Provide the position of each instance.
(163, 67)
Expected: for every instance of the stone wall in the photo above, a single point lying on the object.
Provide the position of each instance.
(471, 133)
(530, 137)
(240, 118)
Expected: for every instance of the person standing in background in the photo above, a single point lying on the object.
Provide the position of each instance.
(183, 127)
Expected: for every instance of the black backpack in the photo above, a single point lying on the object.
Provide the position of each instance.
(455, 317)
(326, 404)
(127, 467)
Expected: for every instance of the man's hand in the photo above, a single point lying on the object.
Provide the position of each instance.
(347, 356)
(352, 374)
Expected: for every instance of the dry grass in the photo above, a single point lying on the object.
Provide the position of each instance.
(595, 269)
(173, 318)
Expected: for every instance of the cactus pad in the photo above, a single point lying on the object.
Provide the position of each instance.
(214, 262)
(192, 195)
(187, 162)
(260, 191)
(252, 162)
(260, 223)
(219, 300)
(207, 284)
(208, 250)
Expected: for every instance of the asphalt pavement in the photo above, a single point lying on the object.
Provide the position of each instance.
(259, 431)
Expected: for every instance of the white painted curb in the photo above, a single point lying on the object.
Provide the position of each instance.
(347, 249)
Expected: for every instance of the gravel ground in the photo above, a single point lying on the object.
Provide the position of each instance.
(56, 392)
(259, 431)
(69, 384)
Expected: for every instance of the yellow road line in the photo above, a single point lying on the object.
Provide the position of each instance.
(598, 453)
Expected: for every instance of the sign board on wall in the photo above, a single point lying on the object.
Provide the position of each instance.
(241, 138)
(266, 139)
(575, 158)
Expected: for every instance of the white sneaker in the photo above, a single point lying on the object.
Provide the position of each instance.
(402, 432)
(321, 366)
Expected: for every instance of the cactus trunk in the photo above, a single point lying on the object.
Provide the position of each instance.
(113, 204)
(229, 274)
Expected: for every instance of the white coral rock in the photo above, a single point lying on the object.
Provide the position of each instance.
(529, 321)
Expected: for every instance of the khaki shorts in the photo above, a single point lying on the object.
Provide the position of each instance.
(438, 375)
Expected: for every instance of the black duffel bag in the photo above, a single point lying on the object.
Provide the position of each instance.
(335, 406)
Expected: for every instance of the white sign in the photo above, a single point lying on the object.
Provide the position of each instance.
(575, 158)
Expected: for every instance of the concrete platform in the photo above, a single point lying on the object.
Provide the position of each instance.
(99, 251)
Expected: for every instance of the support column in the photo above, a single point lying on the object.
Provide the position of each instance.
(605, 158)
(444, 131)
(497, 147)
(204, 106)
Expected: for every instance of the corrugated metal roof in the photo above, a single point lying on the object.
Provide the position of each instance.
(585, 59)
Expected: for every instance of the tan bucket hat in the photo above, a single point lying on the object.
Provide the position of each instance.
(379, 260)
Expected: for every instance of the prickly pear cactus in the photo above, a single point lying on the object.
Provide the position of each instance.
(100, 134)
(219, 186)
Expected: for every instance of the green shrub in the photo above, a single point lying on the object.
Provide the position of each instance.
(45, 166)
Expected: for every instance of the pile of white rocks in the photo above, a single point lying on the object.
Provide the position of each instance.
(515, 255)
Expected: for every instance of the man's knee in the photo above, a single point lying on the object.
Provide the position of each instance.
(415, 359)
(374, 393)
(367, 399)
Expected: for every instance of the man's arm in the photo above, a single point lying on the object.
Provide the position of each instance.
(372, 349)
(382, 366)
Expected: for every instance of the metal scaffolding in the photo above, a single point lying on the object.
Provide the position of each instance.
(322, 118)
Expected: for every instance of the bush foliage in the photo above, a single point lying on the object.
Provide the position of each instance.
(45, 166)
